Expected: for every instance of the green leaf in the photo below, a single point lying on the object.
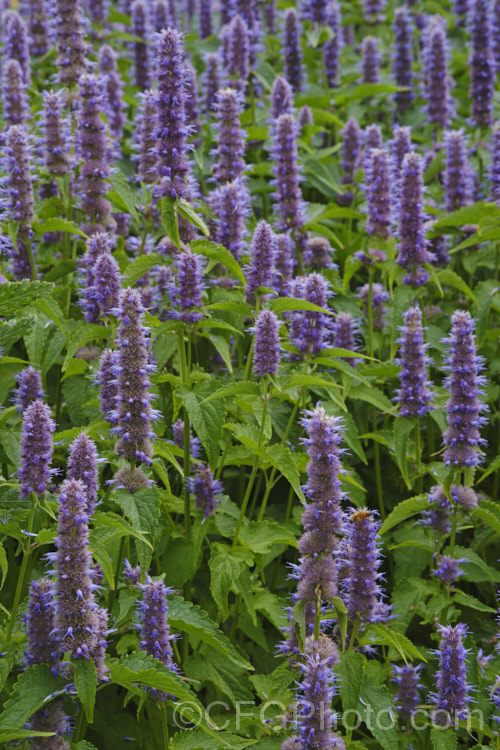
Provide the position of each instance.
(488, 517)
(467, 600)
(121, 184)
(168, 209)
(86, 685)
(226, 566)
(447, 277)
(351, 670)
(260, 536)
(281, 457)
(312, 381)
(142, 508)
(371, 395)
(4, 566)
(83, 335)
(383, 635)
(404, 510)
(17, 295)
(443, 739)
(187, 212)
(189, 618)
(286, 304)
(101, 555)
(196, 739)
(218, 254)
(57, 225)
(208, 419)
(7, 735)
(148, 671)
(402, 429)
(468, 215)
(380, 720)
(51, 308)
(116, 522)
(31, 690)
(235, 389)
(141, 265)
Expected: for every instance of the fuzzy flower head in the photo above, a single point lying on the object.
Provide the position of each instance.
(71, 47)
(155, 633)
(19, 198)
(288, 195)
(458, 177)
(281, 98)
(414, 396)
(308, 328)
(378, 180)
(207, 491)
(379, 298)
(439, 517)
(267, 346)
(448, 569)
(464, 407)
(464, 496)
(284, 264)
(482, 64)
(211, 82)
(108, 385)
(292, 51)
(140, 26)
(351, 154)
(42, 641)
(412, 246)
(238, 53)
(112, 93)
(495, 165)
(38, 28)
(452, 695)
(230, 151)
(15, 40)
(178, 434)
(132, 575)
(407, 695)
(56, 136)
(332, 48)
(370, 60)
(83, 465)
(402, 60)
(29, 388)
(231, 205)
(189, 287)
(262, 256)
(362, 588)
(14, 95)
(131, 479)
(345, 333)
(36, 449)
(107, 284)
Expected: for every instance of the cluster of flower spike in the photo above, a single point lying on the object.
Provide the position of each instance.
(414, 395)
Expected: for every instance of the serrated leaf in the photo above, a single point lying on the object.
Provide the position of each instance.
(82, 336)
(226, 566)
(443, 739)
(52, 310)
(218, 254)
(142, 265)
(467, 600)
(371, 395)
(281, 458)
(168, 210)
(187, 212)
(121, 185)
(467, 215)
(7, 735)
(383, 635)
(287, 304)
(196, 739)
(57, 225)
(101, 555)
(351, 670)
(86, 685)
(114, 521)
(208, 420)
(260, 536)
(32, 688)
(403, 427)
(142, 508)
(17, 295)
(447, 277)
(189, 618)
(146, 670)
(381, 702)
(402, 511)
(485, 515)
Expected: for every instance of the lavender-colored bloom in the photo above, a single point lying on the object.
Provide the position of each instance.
(155, 633)
(351, 153)
(448, 569)
(76, 618)
(318, 253)
(379, 298)
(315, 11)
(38, 28)
(211, 82)
(189, 286)
(464, 383)
(133, 575)
(458, 179)
(308, 331)
(373, 139)
(106, 289)
(482, 65)
(82, 465)
(160, 15)
(112, 89)
(402, 61)
(370, 62)
(281, 98)
(98, 11)
(98, 244)
(414, 396)
(362, 588)
(107, 382)
(238, 53)
(284, 264)
(15, 40)
(71, 47)
(345, 330)
(131, 479)
(495, 37)
(36, 449)
(292, 52)
(29, 388)
(438, 518)
(400, 146)
(146, 166)
(229, 154)
(133, 413)
(412, 246)
(93, 149)
(407, 695)
(42, 647)
(19, 196)
(305, 117)
(270, 16)
(464, 496)
(331, 48)
(206, 28)
(231, 205)
(288, 194)
(378, 181)
(99, 652)
(140, 26)
(56, 151)
(437, 80)
(249, 10)
(14, 96)
(178, 435)
(267, 347)
(226, 11)
(453, 690)
(192, 106)
(262, 255)
(495, 165)
(373, 9)
(207, 491)
(461, 8)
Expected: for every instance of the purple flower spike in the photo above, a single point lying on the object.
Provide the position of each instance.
(370, 62)
(230, 152)
(56, 151)
(15, 39)
(292, 52)
(495, 28)
(379, 298)
(458, 177)
(437, 80)
(98, 11)
(238, 53)
(373, 139)
(351, 153)
(284, 264)
(464, 407)
(373, 10)
(160, 15)
(93, 150)
(331, 48)
(407, 696)
(438, 518)
(29, 388)
(495, 165)
(207, 491)
(308, 327)
(192, 98)
(98, 244)
(82, 465)
(267, 346)
(400, 146)
(305, 117)
(71, 47)
(99, 652)
(107, 382)
(211, 82)
(453, 690)
(131, 479)
(414, 396)
(112, 89)
(231, 205)
(262, 255)
(281, 98)
(19, 196)
(38, 28)
(345, 330)
(270, 16)
(51, 718)
(133, 413)
(14, 96)
(362, 588)
(250, 11)
(42, 645)
(402, 61)
(146, 163)
(155, 633)
(465, 496)
(412, 247)
(107, 284)
(178, 435)
(378, 180)
(288, 194)
(448, 569)
(76, 617)
(461, 11)
(318, 253)
(315, 11)
(190, 286)
(206, 28)
(36, 449)
(133, 575)
(482, 65)
(140, 26)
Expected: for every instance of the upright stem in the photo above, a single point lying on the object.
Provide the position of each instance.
(22, 572)
(164, 726)
(29, 248)
(119, 562)
(187, 448)
(418, 456)
(250, 353)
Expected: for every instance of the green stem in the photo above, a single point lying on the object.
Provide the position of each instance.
(248, 365)
(370, 312)
(354, 633)
(81, 727)
(187, 448)
(118, 569)
(164, 726)
(317, 614)
(22, 572)
(29, 248)
(378, 473)
(418, 456)
(454, 521)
